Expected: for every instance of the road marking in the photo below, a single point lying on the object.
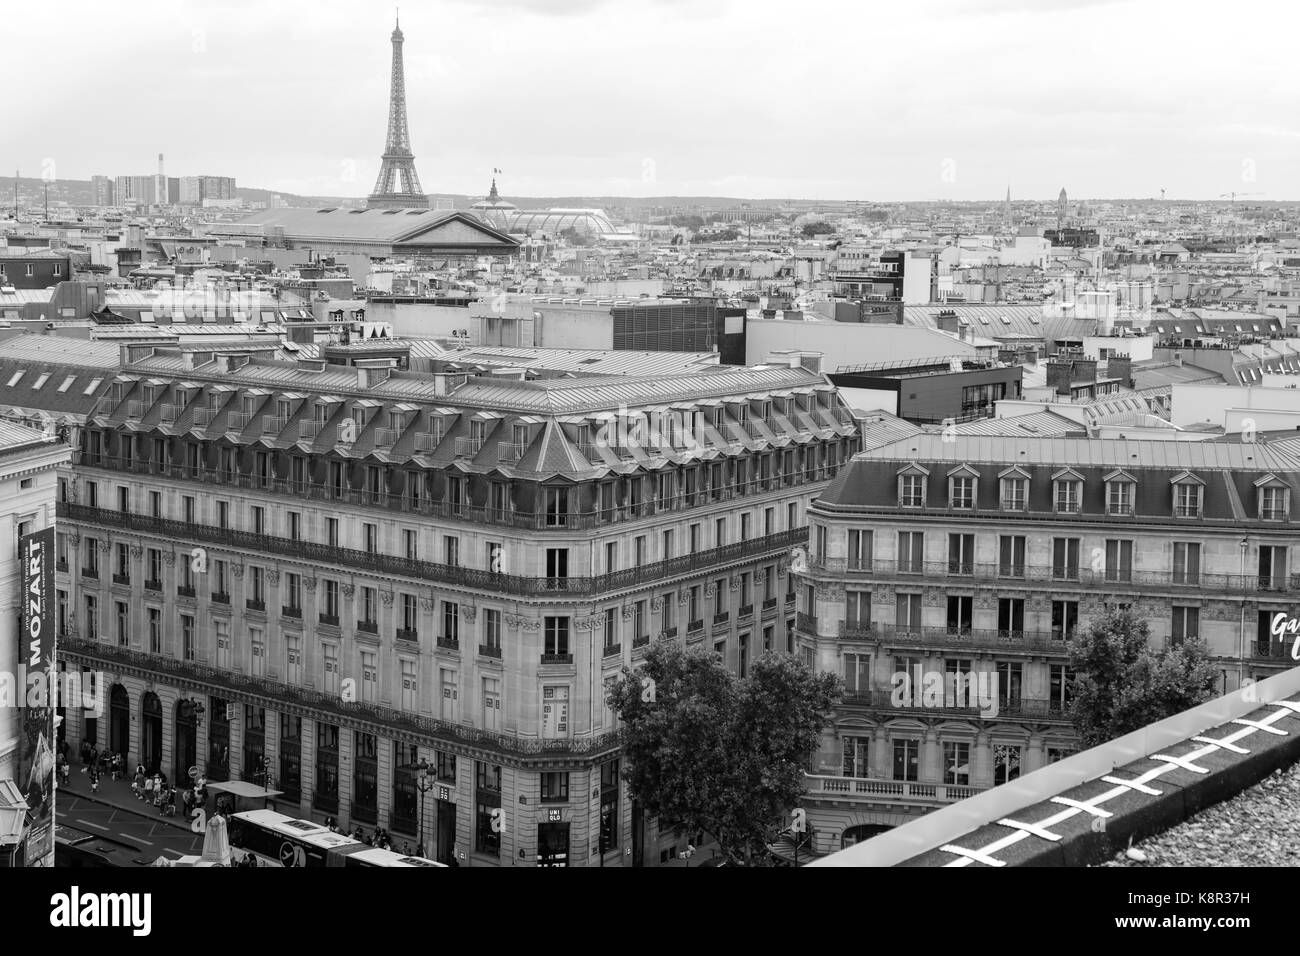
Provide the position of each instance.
(87, 823)
(133, 839)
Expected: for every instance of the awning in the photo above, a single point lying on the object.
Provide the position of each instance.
(244, 790)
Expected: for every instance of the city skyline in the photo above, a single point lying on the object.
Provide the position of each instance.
(1133, 114)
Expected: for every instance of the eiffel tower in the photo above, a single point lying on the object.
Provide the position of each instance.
(398, 185)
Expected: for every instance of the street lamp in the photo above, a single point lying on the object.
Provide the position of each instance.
(423, 783)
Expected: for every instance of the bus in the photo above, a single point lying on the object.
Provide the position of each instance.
(278, 840)
(80, 848)
(374, 856)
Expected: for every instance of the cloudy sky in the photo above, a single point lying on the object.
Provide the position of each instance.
(914, 99)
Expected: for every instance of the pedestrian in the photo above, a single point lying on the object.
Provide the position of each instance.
(94, 779)
(85, 754)
(137, 785)
(419, 849)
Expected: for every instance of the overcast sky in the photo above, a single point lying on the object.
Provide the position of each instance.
(914, 99)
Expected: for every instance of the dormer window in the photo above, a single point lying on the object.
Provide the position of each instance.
(1015, 490)
(1067, 492)
(1189, 494)
(962, 488)
(911, 487)
(1121, 491)
(1274, 499)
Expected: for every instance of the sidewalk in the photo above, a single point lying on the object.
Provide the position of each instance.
(117, 794)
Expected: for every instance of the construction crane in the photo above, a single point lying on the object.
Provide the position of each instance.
(1233, 196)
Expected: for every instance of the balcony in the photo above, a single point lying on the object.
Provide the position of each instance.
(238, 421)
(1274, 651)
(694, 626)
(184, 591)
(511, 451)
(614, 650)
(427, 442)
(408, 634)
(721, 618)
(641, 640)
(806, 622)
(557, 658)
(882, 698)
(291, 610)
(1187, 511)
(153, 585)
(769, 604)
(190, 534)
(170, 413)
(326, 704)
(867, 790)
(386, 437)
(938, 571)
(253, 604)
(449, 643)
(122, 579)
(746, 610)
(329, 620)
(203, 416)
(310, 430)
(468, 447)
(955, 637)
(490, 650)
(274, 424)
(92, 573)
(368, 627)
(668, 633)
(220, 597)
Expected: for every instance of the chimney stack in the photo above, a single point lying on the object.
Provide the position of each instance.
(1058, 377)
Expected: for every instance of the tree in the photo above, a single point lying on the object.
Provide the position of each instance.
(710, 752)
(693, 223)
(1123, 685)
(819, 228)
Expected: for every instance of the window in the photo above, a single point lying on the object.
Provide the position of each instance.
(856, 757)
(1119, 497)
(293, 659)
(221, 631)
(906, 759)
(907, 610)
(859, 550)
(1069, 494)
(91, 570)
(492, 632)
(451, 623)
(857, 612)
(1015, 494)
(720, 532)
(609, 820)
(1186, 624)
(155, 631)
(556, 637)
(123, 624)
(295, 526)
(491, 703)
(449, 694)
(669, 613)
(1011, 556)
(555, 711)
(410, 614)
(554, 787)
(911, 552)
(1272, 568)
(743, 659)
(961, 493)
(1006, 763)
(557, 565)
(223, 514)
(1187, 500)
(368, 606)
(451, 550)
(1273, 504)
(1009, 677)
(1011, 617)
(332, 532)
(155, 504)
(961, 610)
(911, 491)
(257, 641)
(1119, 560)
(1061, 686)
(330, 664)
(487, 806)
(611, 557)
(857, 675)
(1065, 619)
(259, 519)
(1187, 562)
(187, 637)
(956, 763)
(153, 580)
(369, 677)
(92, 618)
(1065, 559)
(410, 684)
(410, 542)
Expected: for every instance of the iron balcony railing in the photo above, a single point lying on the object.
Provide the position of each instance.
(385, 437)
(271, 693)
(613, 650)
(468, 447)
(955, 636)
(898, 791)
(490, 650)
(427, 442)
(407, 634)
(884, 699)
(310, 551)
(926, 572)
(510, 451)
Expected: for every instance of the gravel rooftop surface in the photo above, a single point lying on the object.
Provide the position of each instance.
(1258, 827)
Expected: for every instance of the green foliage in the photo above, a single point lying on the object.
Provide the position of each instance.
(694, 223)
(817, 229)
(1123, 685)
(707, 751)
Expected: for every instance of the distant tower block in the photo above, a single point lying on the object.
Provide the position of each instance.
(1060, 209)
(398, 185)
